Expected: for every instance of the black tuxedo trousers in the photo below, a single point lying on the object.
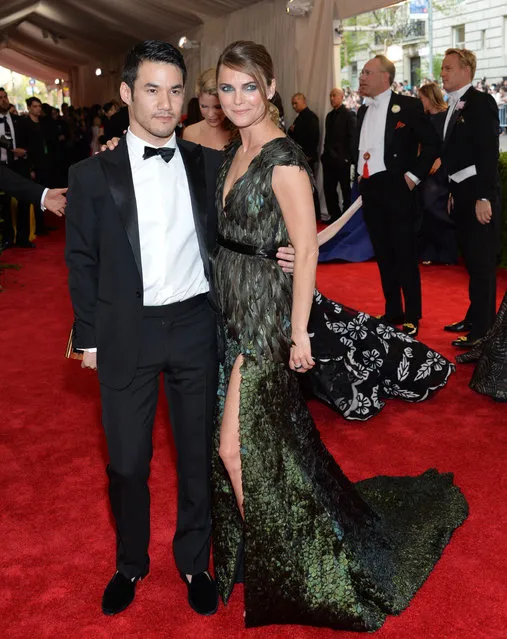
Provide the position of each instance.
(479, 245)
(390, 214)
(179, 341)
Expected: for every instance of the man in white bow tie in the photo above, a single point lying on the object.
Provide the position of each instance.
(397, 147)
(470, 157)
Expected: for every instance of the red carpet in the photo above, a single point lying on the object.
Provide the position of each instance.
(56, 534)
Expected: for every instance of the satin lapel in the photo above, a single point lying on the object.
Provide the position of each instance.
(116, 165)
(455, 116)
(193, 160)
(391, 121)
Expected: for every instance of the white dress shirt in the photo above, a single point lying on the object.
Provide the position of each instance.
(171, 262)
(454, 98)
(3, 152)
(372, 138)
(373, 132)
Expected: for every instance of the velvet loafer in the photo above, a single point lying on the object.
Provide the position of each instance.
(202, 593)
(119, 594)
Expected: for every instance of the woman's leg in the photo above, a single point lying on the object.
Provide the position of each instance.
(229, 433)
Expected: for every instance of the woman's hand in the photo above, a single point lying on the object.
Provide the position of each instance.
(301, 359)
(110, 144)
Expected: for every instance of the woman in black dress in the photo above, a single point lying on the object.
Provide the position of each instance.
(317, 549)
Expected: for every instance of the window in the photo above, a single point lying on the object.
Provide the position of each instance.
(505, 35)
(458, 36)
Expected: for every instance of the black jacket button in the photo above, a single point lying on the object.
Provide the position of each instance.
(138, 294)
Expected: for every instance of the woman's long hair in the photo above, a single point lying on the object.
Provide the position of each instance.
(434, 94)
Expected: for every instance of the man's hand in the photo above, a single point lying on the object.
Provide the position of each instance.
(483, 211)
(110, 144)
(286, 256)
(410, 183)
(55, 201)
(89, 360)
(19, 152)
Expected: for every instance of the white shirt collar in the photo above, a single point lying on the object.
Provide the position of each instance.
(136, 146)
(381, 98)
(454, 96)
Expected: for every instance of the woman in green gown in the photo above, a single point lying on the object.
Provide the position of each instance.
(317, 549)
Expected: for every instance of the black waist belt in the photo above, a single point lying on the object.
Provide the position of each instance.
(247, 249)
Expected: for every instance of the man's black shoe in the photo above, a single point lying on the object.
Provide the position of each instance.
(462, 326)
(465, 341)
(119, 594)
(396, 320)
(202, 593)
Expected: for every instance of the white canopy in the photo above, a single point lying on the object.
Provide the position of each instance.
(68, 39)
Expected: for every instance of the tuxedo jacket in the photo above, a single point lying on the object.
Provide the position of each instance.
(340, 135)
(306, 133)
(20, 187)
(103, 251)
(411, 142)
(472, 139)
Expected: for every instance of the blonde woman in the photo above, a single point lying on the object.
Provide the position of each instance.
(212, 131)
(438, 242)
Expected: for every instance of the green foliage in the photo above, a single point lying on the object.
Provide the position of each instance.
(503, 181)
(437, 65)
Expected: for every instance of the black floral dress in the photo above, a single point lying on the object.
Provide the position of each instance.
(317, 549)
(361, 362)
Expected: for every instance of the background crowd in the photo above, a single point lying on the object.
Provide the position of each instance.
(43, 142)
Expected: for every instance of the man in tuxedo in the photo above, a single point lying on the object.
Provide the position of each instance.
(306, 132)
(396, 150)
(139, 229)
(470, 158)
(338, 155)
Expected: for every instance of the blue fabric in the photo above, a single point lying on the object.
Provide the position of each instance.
(352, 243)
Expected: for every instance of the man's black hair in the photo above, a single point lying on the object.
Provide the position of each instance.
(152, 51)
(29, 101)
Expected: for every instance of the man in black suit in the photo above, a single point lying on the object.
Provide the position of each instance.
(305, 129)
(470, 158)
(338, 155)
(396, 149)
(306, 132)
(140, 224)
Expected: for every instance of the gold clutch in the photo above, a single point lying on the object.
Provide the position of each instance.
(70, 351)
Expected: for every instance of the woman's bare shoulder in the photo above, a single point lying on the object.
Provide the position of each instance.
(192, 132)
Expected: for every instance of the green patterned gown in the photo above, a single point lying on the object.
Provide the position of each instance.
(318, 549)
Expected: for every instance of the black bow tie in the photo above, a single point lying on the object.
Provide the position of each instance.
(165, 153)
